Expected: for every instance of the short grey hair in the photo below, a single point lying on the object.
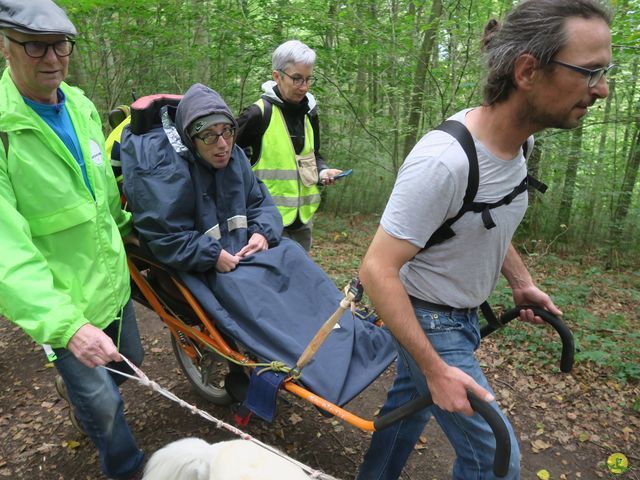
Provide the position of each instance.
(535, 27)
(293, 51)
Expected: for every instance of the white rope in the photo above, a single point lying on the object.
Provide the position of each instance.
(142, 378)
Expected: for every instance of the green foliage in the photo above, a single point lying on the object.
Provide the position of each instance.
(368, 57)
(600, 307)
(608, 339)
(607, 342)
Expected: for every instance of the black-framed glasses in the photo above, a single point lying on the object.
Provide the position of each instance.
(212, 138)
(35, 49)
(593, 76)
(299, 80)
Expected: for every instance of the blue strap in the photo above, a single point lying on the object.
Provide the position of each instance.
(263, 393)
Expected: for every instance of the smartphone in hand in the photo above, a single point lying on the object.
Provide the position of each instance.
(345, 173)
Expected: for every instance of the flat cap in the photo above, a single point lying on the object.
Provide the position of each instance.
(39, 17)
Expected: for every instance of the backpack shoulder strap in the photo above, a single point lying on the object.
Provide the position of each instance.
(267, 107)
(537, 184)
(458, 131)
(253, 151)
(5, 142)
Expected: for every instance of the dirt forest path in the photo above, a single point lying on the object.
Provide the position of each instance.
(37, 440)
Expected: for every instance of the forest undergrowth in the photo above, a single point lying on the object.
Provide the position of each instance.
(599, 402)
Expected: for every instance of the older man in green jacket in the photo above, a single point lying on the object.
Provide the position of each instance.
(63, 270)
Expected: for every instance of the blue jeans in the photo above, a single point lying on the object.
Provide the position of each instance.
(455, 336)
(99, 407)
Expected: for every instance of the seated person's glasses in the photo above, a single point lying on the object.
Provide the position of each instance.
(593, 76)
(299, 80)
(212, 138)
(63, 48)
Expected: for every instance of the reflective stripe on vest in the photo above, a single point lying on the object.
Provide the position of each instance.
(278, 169)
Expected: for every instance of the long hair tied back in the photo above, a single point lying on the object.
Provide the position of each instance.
(490, 30)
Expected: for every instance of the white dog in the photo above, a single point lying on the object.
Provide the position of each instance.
(195, 459)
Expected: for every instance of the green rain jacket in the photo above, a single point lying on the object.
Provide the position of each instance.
(62, 261)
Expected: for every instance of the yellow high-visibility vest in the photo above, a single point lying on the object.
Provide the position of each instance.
(113, 138)
(278, 169)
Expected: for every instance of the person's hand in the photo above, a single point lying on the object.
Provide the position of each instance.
(257, 243)
(226, 262)
(93, 347)
(327, 176)
(449, 390)
(532, 295)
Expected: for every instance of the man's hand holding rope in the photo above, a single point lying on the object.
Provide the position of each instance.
(93, 347)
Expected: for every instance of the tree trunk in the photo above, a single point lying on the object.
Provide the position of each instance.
(422, 65)
(201, 42)
(568, 190)
(329, 37)
(591, 215)
(533, 168)
(628, 184)
(393, 102)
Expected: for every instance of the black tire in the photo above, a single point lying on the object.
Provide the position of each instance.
(213, 390)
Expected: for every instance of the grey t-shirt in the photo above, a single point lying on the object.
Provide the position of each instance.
(462, 271)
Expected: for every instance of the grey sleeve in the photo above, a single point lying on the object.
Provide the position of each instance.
(426, 193)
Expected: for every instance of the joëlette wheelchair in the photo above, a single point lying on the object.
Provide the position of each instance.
(217, 368)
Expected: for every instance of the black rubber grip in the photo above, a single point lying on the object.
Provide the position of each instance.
(486, 410)
(566, 360)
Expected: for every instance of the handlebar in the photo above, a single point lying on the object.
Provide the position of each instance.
(566, 359)
(491, 416)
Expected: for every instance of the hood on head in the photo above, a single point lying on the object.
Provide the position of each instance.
(199, 101)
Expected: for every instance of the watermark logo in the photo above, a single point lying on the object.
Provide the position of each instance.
(617, 463)
(96, 153)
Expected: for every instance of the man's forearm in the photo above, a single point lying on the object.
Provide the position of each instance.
(515, 271)
(380, 274)
(392, 304)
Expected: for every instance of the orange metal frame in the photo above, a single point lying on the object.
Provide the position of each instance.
(210, 337)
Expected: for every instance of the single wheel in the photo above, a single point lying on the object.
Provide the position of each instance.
(206, 371)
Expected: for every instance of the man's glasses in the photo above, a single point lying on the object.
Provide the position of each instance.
(593, 76)
(63, 48)
(212, 138)
(298, 80)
